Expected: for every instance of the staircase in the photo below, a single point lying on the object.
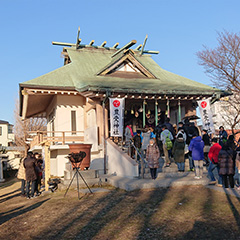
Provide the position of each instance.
(170, 172)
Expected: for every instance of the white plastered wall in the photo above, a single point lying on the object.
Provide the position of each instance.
(4, 136)
(119, 163)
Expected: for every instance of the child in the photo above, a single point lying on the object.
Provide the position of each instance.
(179, 152)
(39, 176)
(152, 157)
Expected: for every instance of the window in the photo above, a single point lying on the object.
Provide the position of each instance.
(0, 131)
(73, 122)
(10, 129)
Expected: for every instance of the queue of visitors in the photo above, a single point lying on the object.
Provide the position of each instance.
(30, 174)
(221, 153)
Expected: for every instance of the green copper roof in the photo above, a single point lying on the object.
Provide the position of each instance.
(86, 63)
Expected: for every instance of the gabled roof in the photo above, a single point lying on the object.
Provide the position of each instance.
(85, 72)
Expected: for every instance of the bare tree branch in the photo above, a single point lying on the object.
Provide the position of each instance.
(22, 128)
(222, 64)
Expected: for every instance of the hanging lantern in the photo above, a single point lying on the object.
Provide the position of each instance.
(140, 109)
(149, 112)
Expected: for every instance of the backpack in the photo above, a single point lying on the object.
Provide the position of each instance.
(168, 142)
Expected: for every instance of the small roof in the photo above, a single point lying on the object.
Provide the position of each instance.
(83, 74)
(4, 122)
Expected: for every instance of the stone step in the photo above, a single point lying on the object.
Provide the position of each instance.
(90, 182)
(87, 174)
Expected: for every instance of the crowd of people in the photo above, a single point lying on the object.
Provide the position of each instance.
(186, 141)
(30, 173)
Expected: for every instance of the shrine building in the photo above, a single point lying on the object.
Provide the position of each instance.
(74, 100)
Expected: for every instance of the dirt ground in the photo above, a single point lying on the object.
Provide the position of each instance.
(190, 212)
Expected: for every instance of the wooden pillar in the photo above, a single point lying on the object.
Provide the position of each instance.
(104, 139)
(144, 113)
(1, 171)
(179, 111)
(106, 124)
(99, 115)
(156, 113)
(63, 138)
(168, 109)
(46, 149)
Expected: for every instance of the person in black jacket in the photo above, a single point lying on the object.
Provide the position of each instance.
(31, 175)
(137, 141)
(207, 144)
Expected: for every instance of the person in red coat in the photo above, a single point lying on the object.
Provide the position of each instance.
(213, 157)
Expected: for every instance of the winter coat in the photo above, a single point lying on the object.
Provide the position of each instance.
(128, 133)
(206, 139)
(223, 137)
(21, 171)
(137, 141)
(196, 146)
(30, 164)
(179, 150)
(213, 152)
(145, 140)
(226, 162)
(152, 156)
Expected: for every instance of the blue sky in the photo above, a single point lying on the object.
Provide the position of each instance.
(176, 28)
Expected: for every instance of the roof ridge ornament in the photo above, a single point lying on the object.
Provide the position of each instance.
(128, 45)
(103, 45)
(144, 43)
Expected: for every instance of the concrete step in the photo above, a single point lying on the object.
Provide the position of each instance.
(90, 182)
(133, 184)
(87, 174)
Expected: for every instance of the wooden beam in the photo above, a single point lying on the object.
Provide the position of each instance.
(91, 43)
(144, 43)
(63, 44)
(104, 43)
(138, 47)
(115, 45)
(77, 43)
(128, 45)
(25, 104)
(151, 52)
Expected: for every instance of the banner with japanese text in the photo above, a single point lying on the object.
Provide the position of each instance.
(206, 115)
(116, 116)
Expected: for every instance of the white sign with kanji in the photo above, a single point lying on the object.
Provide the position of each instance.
(206, 115)
(116, 116)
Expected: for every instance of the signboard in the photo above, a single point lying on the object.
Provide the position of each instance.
(116, 116)
(206, 115)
